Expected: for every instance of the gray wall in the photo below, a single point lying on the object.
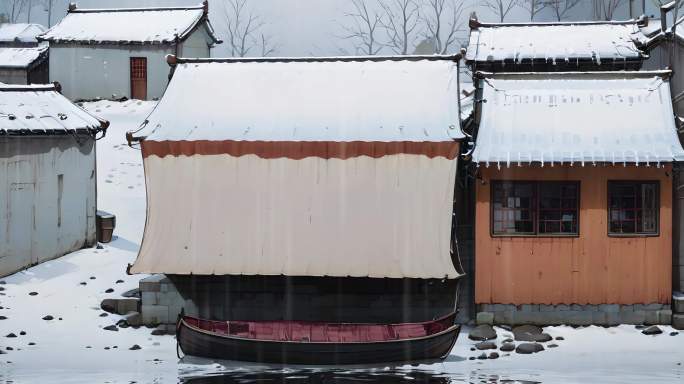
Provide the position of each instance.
(13, 76)
(103, 71)
(47, 198)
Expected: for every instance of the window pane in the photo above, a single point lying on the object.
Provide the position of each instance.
(513, 207)
(558, 208)
(633, 207)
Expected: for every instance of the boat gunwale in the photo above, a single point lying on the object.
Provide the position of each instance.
(434, 335)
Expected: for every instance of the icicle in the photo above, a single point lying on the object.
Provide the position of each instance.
(508, 159)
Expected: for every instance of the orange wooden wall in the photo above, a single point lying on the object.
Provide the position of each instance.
(590, 269)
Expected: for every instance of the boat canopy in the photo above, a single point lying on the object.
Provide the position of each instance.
(302, 167)
(576, 118)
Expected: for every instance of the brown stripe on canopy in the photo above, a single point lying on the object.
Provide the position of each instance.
(298, 150)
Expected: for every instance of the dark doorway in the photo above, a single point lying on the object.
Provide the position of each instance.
(139, 78)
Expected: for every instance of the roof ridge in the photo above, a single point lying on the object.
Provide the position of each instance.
(143, 9)
(30, 88)
(173, 60)
(474, 23)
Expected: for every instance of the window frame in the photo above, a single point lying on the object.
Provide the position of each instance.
(534, 209)
(657, 205)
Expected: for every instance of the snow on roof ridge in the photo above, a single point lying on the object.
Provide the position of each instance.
(475, 23)
(30, 88)
(665, 73)
(75, 9)
(172, 60)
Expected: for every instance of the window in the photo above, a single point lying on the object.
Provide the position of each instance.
(633, 207)
(529, 208)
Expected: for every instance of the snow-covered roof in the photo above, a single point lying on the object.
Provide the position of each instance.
(129, 25)
(612, 117)
(42, 110)
(407, 99)
(553, 43)
(22, 57)
(22, 33)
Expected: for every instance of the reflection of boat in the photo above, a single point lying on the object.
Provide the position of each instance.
(317, 343)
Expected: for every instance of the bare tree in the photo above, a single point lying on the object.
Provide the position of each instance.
(244, 30)
(442, 23)
(501, 8)
(13, 8)
(534, 7)
(605, 9)
(48, 8)
(364, 28)
(561, 8)
(400, 20)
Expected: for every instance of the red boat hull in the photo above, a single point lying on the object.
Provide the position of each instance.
(200, 338)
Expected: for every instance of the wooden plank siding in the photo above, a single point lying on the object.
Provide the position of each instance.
(591, 268)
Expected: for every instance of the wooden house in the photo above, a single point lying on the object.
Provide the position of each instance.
(120, 52)
(314, 189)
(574, 197)
(22, 59)
(47, 165)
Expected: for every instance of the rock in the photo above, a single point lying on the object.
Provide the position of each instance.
(506, 327)
(48, 318)
(120, 306)
(470, 358)
(482, 357)
(493, 355)
(106, 348)
(88, 347)
(83, 283)
(473, 349)
(99, 247)
(652, 330)
(104, 314)
(526, 332)
(111, 328)
(133, 319)
(108, 305)
(639, 326)
(507, 347)
(109, 290)
(135, 347)
(159, 331)
(507, 340)
(135, 293)
(11, 335)
(560, 338)
(2, 289)
(22, 333)
(92, 277)
(60, 319)
(32, 343)
(33, 293)
(552, 345)
(485, 345)
(482, 332)
(3, 318)
(119, 281)
(9, 349)
(674, 333)
(3, 282)
(122, 324)
(541, 338)
(2, 352)
(527, 348)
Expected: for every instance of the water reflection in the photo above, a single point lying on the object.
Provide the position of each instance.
(306, 376)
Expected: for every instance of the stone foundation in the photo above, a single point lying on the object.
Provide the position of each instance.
(603, 314)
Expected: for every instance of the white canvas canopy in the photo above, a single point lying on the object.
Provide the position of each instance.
(327, 167)
(611, 117)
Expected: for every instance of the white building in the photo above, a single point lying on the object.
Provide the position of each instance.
(22, 59)
(114, 53)
(48, 173)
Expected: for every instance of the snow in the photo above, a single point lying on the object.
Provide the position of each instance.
(386, 101)
(40, 108)
(591, 354)
(600, 117)
(554, 42)
(125, 25)
(22, 32)
(20, 57)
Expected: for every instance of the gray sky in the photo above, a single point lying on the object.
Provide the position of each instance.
(304, 27)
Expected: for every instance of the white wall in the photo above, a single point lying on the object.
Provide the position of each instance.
(37, 222)
(196, 45)
(92, 71)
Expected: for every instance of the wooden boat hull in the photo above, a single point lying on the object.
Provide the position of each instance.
(197, 342)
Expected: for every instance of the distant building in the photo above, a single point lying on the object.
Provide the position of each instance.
(22, 59)
(114, 53)
(47, 165)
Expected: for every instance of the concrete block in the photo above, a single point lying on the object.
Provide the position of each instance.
(579, 318)
(612, 318)
(678, 321)
(529, 307)
(170, 298)
(654, 307)
(485, 318)
(133, 319)
(633, 317)
(652, 318)
(153, 283)
(665, 316)
(125, 305)
(599, 317)
(547, 308)
(562, 307)
(150, 298)
(678, 302)
(486, 307)
(626, 308)
(576, 307)
(155, 314)
(609, 308)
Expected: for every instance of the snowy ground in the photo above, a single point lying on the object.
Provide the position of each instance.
(60, 355)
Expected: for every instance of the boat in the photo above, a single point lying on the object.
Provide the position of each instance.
(317, 343)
